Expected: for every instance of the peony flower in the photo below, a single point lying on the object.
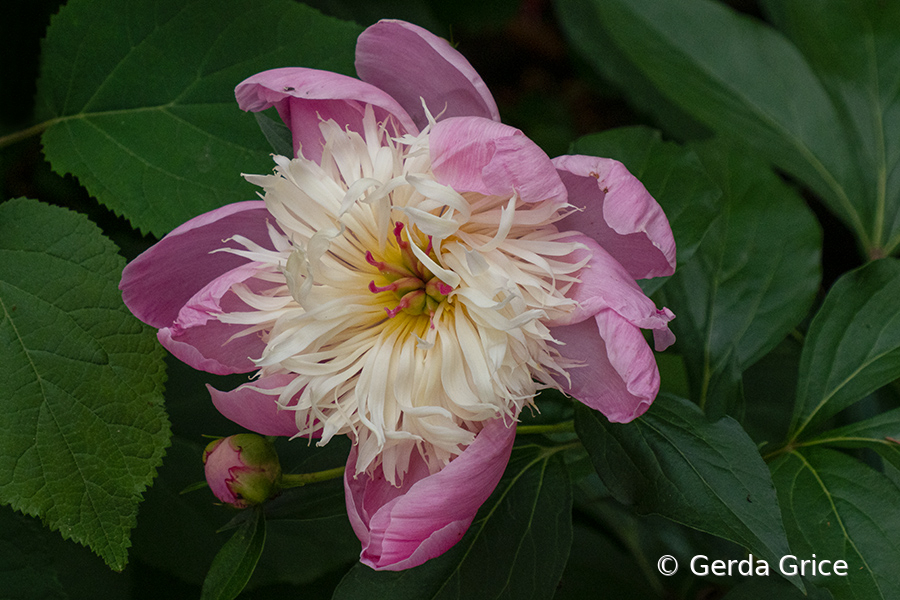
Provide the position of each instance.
(242, 470)
(411, 279)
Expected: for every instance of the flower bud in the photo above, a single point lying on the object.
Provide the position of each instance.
(242, 470)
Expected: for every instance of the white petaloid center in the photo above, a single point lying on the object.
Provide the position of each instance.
(408, 313)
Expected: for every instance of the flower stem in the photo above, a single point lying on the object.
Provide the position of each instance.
(18, 136)
(289, 480)
(564, 427)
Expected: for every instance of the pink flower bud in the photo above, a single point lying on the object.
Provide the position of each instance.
(242, 470)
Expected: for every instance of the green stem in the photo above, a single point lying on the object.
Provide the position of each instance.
(776, 453)
(550, 451)
(289, 480)
(17, 136)
(564, 427)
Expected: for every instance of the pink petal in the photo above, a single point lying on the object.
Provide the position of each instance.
(619, 377)
(473, 154)
(605, 284)
(305, 97)
(218, 466)
(160, 281)
(198, 339)
(256, 410)
(403, 527)
(412, 64)
(619, 213)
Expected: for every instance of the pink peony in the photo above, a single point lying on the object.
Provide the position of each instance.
(411, 279)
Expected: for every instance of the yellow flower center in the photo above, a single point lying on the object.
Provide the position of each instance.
(415, 288)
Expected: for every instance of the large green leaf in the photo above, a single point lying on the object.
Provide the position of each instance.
(516, 547)
(673, 462)
(853, 345)
(880, 433)
(752, 279)
(140, 99)
(745, 80)
(82, 428)
(672, 174)
(840, 509)
(854, 48)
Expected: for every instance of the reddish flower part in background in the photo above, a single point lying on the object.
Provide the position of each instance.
(242, 470)
(411, 279)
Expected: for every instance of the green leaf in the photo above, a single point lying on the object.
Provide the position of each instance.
(673, 462)
(671, 173)
(235, 562)
(859, 67)
(743, 79)
(277, 134)
(751, 281)
(83, 427)
(881, 433)
(853, 344)
(516, 547)
(140, 102)
(840, 509)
